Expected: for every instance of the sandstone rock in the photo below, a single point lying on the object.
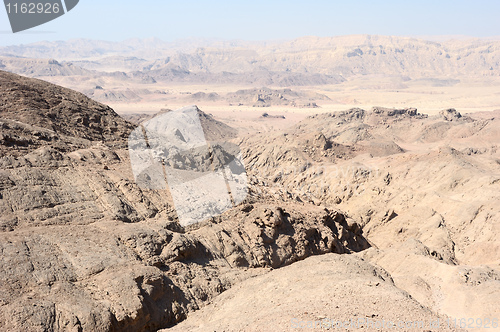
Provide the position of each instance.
(133, 277)
(450, 114)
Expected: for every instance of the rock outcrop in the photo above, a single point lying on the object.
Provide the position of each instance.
(34, 113)
(450, 114)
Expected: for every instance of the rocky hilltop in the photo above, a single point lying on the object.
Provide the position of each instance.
(36, 114)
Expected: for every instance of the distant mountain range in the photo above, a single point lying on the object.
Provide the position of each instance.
(304, 61)
(148, 48)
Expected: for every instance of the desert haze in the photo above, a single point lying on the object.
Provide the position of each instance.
(373, 169)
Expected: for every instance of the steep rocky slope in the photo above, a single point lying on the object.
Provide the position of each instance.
(37, 112)
(111, 275)
(61, 158)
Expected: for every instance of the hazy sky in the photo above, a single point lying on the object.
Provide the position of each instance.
(262, 20)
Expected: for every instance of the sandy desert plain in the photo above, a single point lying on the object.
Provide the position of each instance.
(467, 97)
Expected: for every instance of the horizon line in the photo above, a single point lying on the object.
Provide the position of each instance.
(434, 38)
